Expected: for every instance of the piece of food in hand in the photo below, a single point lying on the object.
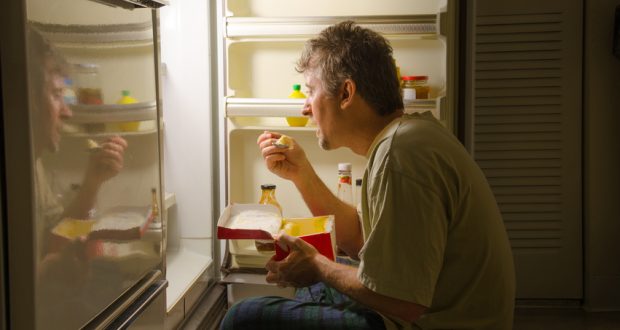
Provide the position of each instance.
(283, 142)
(92, 145)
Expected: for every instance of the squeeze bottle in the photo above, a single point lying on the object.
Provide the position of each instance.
(129, 126)
(297, 121)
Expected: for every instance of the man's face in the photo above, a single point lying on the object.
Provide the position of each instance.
(54, 111)
(322, 109)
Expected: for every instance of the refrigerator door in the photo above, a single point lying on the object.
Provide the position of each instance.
(83, 184)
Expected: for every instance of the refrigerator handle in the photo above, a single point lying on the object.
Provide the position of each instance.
(132, 4)
(139, 306)
(124, 311)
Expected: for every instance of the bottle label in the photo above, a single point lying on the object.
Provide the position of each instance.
(344, 179)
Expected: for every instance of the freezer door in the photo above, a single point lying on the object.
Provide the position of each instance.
(85, 227)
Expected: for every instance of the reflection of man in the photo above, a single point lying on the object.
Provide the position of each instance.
(63, 271)
(47, 71)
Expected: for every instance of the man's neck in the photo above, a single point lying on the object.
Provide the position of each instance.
(366, 133)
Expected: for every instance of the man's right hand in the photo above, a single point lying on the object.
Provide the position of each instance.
(288, 163)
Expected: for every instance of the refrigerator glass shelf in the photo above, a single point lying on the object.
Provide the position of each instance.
(306, 26)
(254, 107)
(273, 128)
(108, 113)
(98, 36)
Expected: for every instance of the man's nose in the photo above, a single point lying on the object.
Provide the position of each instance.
(307, 109)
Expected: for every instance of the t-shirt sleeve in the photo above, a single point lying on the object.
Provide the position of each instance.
(403, 254)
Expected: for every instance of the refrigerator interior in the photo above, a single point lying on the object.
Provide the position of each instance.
(120, 43)
(261, 44)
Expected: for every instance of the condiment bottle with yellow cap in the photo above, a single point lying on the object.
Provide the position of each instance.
(297, 121)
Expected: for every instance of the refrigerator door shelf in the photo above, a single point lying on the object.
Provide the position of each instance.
(146, 128)
(99, 36)
(277, 27)
(107, 113)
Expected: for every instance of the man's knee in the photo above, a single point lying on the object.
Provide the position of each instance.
(247, 313)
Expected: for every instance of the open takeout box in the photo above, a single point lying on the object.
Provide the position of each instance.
(261, 222)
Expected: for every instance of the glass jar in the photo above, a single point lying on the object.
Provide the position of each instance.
(88, 84)
(415, 88)
(268, 196)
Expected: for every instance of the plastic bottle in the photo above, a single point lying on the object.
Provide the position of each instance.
(129, 126)
(268, 196)
(68, 93)
(297, 121)
(345, 189)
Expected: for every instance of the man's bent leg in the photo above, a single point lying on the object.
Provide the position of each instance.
(282, 313)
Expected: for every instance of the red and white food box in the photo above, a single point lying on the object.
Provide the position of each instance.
(261, 222)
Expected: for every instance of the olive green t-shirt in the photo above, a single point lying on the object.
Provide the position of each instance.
(433, 232)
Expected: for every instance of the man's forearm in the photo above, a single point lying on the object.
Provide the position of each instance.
(344, 279)
(321, 201)
(84, 201)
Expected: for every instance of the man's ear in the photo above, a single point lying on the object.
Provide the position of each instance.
(347, 92)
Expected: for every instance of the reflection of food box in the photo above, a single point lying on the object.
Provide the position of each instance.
(261, 222)
(119, 224)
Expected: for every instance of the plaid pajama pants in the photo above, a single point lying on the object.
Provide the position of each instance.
(314, 307)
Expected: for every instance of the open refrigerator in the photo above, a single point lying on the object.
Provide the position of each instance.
(228, 67)
(259, 43)
(208, 78)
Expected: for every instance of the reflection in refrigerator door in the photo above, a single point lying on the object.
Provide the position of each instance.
(96, 231)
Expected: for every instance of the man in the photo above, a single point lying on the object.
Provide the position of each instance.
(432, 246)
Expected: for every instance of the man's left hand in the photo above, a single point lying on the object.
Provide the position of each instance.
(299, 268)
